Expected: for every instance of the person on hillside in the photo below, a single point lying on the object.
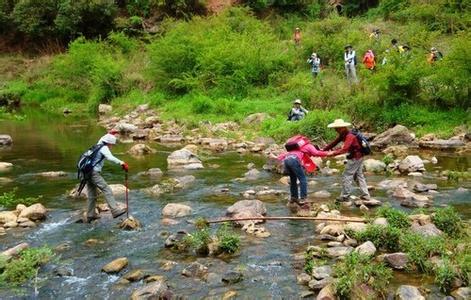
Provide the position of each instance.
(369, 60)
(298, 112)
(404, 50)
(434, 56)
(297, 36)
(375, 34)
(354, 167)
(315, 63)
(297, 161)
(395, 45)
(350, 62)
(96, 181)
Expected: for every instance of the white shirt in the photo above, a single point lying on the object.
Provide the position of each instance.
(349, 57)
(103, 154)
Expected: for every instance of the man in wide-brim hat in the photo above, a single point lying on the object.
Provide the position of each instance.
(354, 167)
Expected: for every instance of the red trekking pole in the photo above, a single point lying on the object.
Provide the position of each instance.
(126, 185)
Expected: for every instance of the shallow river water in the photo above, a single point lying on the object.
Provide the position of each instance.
(52, 143)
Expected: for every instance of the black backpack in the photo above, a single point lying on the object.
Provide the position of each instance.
(85, 163)
(363, 141)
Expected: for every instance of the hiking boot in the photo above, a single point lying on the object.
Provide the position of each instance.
(118, 212)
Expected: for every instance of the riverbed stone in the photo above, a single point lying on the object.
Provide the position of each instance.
(104, 109)
(333, 229)
(254, 208)
(319, 284)
(134, 275)
(427, 230)
(252, 174)
(380, 221)
(34, 212)
(422, 219)
(398, 260)
(397, 151)
(167, 265)
(195, 270)
(322, 272)
(5, 140)
(130, 224)
(116, 265)
(422, 188)
(398, 135)
(154, 173)
(390, 184)
(232, 277)
(141, 149)
(356, 227)
(412, 163)
(2, 231)
(408, 292)
(374, 165)
(322, 194)
(256, 118)
(27, 224)
(184, 181)
(52, 174)
(63, 271)
(367, 248)
(338, 251)
(303, 279)
(327, 293)
(214, 144)
(175, 239)
(463, 293)
(153, 290)
(168, 222)
(10, 224)
(126, 128)
(5, 166)
(117, 189)
(154, 190)
(176, 210)
(7, 216)
(171, 139)
(184, 159)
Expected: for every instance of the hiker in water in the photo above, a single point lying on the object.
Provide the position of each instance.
(369, 60)
(434, 56)
(315, 63)
(296, 161)
(297, 112)
(96, 181)
(350, 62)
(297, 36)
(354, 167)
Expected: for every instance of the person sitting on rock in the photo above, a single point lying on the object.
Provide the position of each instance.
(96, 181)
(296, 161)
(297, 112)
(354, 167)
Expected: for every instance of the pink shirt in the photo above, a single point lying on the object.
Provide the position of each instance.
(308, 149)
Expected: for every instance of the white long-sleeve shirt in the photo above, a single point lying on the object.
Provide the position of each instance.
(349, 57)
(103, 154)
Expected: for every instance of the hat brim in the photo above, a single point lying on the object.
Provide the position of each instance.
(339, 125)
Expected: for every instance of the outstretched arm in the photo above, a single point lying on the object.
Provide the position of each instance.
(107, 154)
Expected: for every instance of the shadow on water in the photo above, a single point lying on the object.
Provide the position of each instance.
(52, 143)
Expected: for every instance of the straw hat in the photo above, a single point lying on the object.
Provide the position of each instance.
(339, 123)
(297, 101)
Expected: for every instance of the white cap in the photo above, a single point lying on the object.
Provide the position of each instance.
(108, 139)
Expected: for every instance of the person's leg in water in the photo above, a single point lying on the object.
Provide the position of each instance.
(106, 190)
(293, 185)
(347, 180)
(91, 202)
(362, 180)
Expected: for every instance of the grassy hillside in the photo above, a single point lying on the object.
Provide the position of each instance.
(242, 61)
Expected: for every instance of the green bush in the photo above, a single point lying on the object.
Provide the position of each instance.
(381, 236)
(10, 200)
(18, 271)
(198, 240)
(444, 276)
(229, 242)
(396, 218)
(447, 220)
(357, 269)
(420, 249)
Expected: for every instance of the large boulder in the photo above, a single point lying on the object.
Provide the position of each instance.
(408, 292)
(322, 272)
(153, 290)
(5, 140)
(374, 165)
(184, 159)
(463, 293)
(141, 149)
(315, 284)
(396, 260)
(255, 119)
(252, 174)
(5, 166)
(367, 248)
(34, 212)
(195, 270)
(176, 210)
(410, 199)
(126, 128)
(247, 209)
(389, 184)
(442, 144)
(7, 217)
(116, 265)
(117, 189)
(154, 173)
(398, 135)
(427, 230)
(338, 251)
(327, 293)
(412, 163)
(397, 151)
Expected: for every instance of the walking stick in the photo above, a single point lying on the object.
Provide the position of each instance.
(126, 185)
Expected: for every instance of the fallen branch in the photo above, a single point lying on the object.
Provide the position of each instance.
(15, 251)
(355, 220)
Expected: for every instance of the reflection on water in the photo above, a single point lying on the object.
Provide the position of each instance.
(45, 143)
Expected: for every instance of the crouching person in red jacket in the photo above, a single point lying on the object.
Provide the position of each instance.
(296, 161)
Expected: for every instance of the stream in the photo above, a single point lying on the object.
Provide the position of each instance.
(43, 142)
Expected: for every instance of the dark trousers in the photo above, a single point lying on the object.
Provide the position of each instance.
(296, 172)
